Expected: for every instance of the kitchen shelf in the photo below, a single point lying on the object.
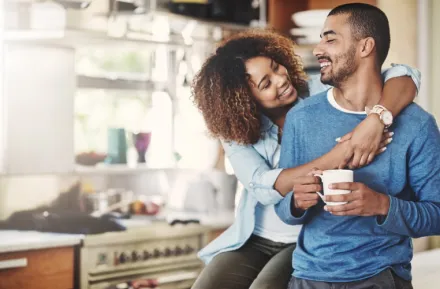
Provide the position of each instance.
(78, 38)
(115, 169)
(92, 82)
(203, 22)
(160, 11)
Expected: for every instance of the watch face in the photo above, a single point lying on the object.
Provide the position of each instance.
(387, 118)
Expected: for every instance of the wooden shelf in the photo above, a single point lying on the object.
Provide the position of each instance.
(78, 38)
(91, 82)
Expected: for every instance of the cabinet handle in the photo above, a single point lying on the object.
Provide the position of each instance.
(14, 263)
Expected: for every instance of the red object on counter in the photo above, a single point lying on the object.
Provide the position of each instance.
(144, 283)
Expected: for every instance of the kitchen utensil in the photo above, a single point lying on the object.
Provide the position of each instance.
(192, 192)
(226, 186)
(334, 176)
(141, 142)
(117, 146)
(103, 202)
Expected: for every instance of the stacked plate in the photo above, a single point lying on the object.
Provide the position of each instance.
(309, 24)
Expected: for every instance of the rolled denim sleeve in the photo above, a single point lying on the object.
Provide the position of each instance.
(253, 172)
(398, 70)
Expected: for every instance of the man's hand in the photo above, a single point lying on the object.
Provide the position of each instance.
(362, 201)
(304, 192)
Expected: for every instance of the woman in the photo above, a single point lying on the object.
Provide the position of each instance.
(244, 91)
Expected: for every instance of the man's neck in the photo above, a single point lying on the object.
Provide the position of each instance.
(359, 90)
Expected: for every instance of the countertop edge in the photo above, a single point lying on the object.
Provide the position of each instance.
(57, 243)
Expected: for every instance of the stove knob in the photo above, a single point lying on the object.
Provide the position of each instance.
(178, 251)
(102, 259)
(115, 258)
(188, 249)
(146, 255)
(135, 256)
(123, 258)
(156, 253)
(168, 252)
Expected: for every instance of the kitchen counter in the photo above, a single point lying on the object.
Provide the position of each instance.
(217, 220)
(14, 241)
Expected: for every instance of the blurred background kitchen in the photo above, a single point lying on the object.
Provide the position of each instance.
(98, 132)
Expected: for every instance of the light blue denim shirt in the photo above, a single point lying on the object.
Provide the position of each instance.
(253, 165)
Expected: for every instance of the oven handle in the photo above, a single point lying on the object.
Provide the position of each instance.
(153, 283)
(13, 263)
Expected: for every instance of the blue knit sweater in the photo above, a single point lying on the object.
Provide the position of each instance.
(351, 248)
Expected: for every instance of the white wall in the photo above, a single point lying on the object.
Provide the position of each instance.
(435, 59)
(402, 16)
(28, 192)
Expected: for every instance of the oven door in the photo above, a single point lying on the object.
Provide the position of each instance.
(182, 279)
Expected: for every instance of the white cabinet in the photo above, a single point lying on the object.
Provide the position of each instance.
(38, 98)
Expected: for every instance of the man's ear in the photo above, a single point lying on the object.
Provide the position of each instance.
(367, 46)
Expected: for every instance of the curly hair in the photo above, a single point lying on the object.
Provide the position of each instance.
(221, 92)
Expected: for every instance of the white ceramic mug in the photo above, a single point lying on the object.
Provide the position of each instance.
(335, 176)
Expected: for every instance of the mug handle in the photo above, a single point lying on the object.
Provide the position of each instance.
(319, 193)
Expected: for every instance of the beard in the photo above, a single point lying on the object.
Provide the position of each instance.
(347, 60)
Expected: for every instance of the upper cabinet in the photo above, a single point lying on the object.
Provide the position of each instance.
(39, 86)
(280, 11)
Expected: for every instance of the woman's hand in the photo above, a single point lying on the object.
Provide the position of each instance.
(344, 152)
(366, 140)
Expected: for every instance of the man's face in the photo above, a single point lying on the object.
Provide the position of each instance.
(336, 52)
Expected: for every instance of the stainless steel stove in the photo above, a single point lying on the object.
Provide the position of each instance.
(164, 253)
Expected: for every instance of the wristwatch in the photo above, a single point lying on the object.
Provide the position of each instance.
(385, 116)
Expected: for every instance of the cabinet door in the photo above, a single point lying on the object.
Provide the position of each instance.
(39, 91)
(38, 269)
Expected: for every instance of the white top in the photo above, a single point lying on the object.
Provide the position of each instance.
(267, 223)
(332, 100)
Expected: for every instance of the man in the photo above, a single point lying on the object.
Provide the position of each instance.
(365, 243)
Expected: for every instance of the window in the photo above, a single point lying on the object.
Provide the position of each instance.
(130, 89)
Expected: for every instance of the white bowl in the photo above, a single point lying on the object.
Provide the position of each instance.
(310, 18)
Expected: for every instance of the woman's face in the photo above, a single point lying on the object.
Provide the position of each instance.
(270, 83)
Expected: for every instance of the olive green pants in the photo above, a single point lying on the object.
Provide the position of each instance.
(259, 264)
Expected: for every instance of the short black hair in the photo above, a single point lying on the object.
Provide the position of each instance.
(368, 21)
